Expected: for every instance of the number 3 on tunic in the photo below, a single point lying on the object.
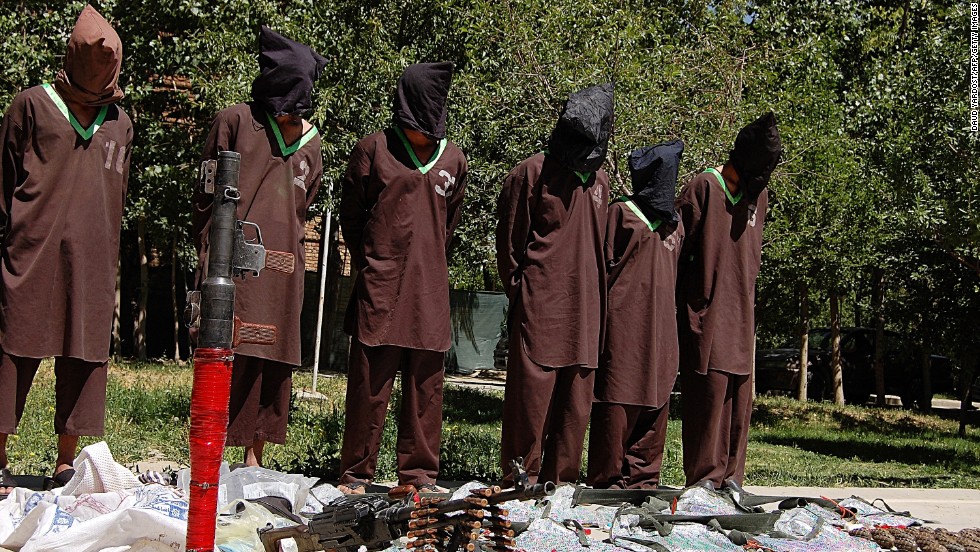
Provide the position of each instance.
(111, 147)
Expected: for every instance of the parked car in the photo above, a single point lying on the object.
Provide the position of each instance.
(778, 370)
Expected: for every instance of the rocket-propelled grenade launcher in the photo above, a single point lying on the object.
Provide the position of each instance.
(212, 311)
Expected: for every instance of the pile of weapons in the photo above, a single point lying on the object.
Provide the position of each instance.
(473, 523)
(926, 539)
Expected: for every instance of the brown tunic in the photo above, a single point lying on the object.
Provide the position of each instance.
(398, 218)
(62, 207)
(639, 360)
(276, 190)
(720, 260)
(550, 254)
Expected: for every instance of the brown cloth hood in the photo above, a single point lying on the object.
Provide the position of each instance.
(91, 72)
(421, 97)
(756, 153)
(288, 70)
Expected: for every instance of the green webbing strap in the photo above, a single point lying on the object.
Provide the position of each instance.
(85, 133)
(411, 152)
(721, 180)
(615, 497)
(576, 525)
(290, 149)
(639, 213)
(754, 524)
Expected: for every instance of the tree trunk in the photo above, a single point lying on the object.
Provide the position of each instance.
(801, 389)
(116, 314)
(139, 322)
(858, 319)
(173, 298)
(966, 394)
(879, 360)
(835, 366)
(925, 403)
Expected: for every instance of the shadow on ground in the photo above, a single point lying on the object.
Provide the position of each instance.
(474, 406)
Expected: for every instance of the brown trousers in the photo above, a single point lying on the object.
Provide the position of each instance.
(716, 409)
(546, 412)
(370, 376)
(626, 445)
(79, 392)
(258, 409)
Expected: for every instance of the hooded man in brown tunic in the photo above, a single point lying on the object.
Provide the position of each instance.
(65, 166)
(281, 167)
(401, 201)
(552, 218)
(723, 211)
(638, 364)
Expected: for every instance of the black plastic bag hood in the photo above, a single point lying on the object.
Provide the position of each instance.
(288, 70)
(420, 99)
(581, 136)
(756, 153)
(653, 171)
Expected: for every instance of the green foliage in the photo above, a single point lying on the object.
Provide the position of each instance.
(815, 444)
(879, 169)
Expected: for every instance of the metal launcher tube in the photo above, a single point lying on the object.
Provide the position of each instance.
(213, 359)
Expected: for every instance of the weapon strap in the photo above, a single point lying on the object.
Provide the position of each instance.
(636, 497)
(278, 506)
(615, 497)
(259, 334)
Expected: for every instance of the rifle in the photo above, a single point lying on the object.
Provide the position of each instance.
(430, 523)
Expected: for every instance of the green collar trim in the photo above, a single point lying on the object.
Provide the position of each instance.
(85, 133)
(583, 176)
(292, 148)
(408, 146)
(636, 211)
(721, 180)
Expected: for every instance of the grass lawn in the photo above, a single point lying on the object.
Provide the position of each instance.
(790, 444)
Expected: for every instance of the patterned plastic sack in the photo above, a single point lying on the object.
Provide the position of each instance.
(683, 537)
(700, 501)
(547, 535)
(872, 516)
(560, 507)
(827, 539)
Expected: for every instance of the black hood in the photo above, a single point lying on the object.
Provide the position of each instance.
(581, 136)
(420, 99)
(288, 69)
(654, 173)
(756, 153)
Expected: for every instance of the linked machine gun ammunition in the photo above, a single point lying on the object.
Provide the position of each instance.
(432, 524)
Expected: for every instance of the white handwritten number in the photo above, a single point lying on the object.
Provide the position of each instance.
(450, 182)
(121, 159)
(111, 146)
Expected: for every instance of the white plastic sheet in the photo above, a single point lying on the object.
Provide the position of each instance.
(106, 510)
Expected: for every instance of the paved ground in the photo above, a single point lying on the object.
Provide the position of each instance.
(953, 509)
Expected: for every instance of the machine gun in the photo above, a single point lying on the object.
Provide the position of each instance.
(429, 523)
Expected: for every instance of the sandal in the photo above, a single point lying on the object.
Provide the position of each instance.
(7, 481)
(59, 480)
(355, 487)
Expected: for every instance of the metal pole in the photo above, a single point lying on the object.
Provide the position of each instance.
(324, 255)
